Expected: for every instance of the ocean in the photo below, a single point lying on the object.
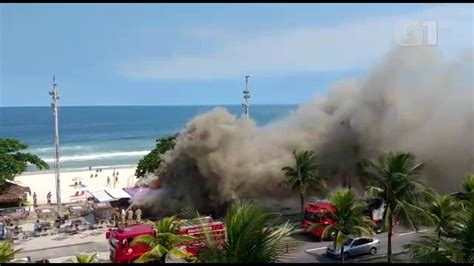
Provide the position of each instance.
(100, 136)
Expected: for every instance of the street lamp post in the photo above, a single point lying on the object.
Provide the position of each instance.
(246, 104)
(54, 106)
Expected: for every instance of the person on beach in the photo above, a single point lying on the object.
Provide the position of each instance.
(92, 175)
(37, 227)
(95, 175)
(116, 179)
(138, 214)
(108, 181)
(48, 197)
(90, 168)
(35, 200)
(130, 216)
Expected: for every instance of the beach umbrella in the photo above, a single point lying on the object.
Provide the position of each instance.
(77, 179)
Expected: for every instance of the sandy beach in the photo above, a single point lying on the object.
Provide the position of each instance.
(44, 182)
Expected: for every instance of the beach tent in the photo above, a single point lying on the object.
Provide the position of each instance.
(118, 193)
(101, 196)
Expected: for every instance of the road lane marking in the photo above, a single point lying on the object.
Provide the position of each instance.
(409, 233)
(314, 249)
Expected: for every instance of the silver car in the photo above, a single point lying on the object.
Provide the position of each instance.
(355, 246)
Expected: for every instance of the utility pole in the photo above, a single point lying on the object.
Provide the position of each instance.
(246, 104)
(54, 107)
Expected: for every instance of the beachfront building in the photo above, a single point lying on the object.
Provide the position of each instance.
(13, 195)
(11, 201)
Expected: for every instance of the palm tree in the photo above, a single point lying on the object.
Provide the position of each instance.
(393, 178)
(7, 252)
(254, 235)
(163, 244)
(445, 214)
(349, 216)
(468, 184)
(84, 258)
(457, 247)
(304, 175)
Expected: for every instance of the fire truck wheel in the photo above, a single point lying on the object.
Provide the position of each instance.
(373, 251)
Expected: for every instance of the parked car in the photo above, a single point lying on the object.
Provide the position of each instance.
(355, 246)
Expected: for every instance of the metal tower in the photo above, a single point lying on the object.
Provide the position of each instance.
(54, 107)
(246, 104)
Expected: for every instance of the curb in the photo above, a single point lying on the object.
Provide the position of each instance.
(63, 246)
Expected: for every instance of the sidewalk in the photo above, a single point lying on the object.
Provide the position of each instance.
(61, 240)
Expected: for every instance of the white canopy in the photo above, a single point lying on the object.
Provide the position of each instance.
(118, 193)
(102, 196)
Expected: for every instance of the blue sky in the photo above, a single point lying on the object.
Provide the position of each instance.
(180, 54)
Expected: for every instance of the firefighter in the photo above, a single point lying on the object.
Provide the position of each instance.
(138, 214)
(117, 217)
(129, 216)
(123, 216)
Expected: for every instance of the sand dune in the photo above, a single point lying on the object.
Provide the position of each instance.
(42, 183)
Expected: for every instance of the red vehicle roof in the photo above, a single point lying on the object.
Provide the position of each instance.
(132, 231)
(320, 207)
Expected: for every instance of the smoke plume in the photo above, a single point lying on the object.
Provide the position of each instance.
(412, 101)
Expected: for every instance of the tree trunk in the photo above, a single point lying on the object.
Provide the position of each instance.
(163, 259)
(439, 240)
(390, 228)
(302, 204)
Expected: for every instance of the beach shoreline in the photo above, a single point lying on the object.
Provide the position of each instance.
(67, 170)
(42, 182)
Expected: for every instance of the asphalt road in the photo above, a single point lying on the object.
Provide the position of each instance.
(305, 250)
(309, 250)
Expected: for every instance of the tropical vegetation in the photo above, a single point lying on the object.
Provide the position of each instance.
(152, 160)
(14, 162)
(304, 175)
(254, 235)
(7, 252)
(84, 258)
(164, 244)
(349, 217)
(453, 238)
(393, 177)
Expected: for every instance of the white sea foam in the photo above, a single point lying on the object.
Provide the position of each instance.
(95, 156)
(63, 148)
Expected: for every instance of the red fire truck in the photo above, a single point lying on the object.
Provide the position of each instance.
(120, 238)
(321, 212)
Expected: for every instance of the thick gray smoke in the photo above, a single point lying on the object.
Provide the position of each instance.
(413, 101)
